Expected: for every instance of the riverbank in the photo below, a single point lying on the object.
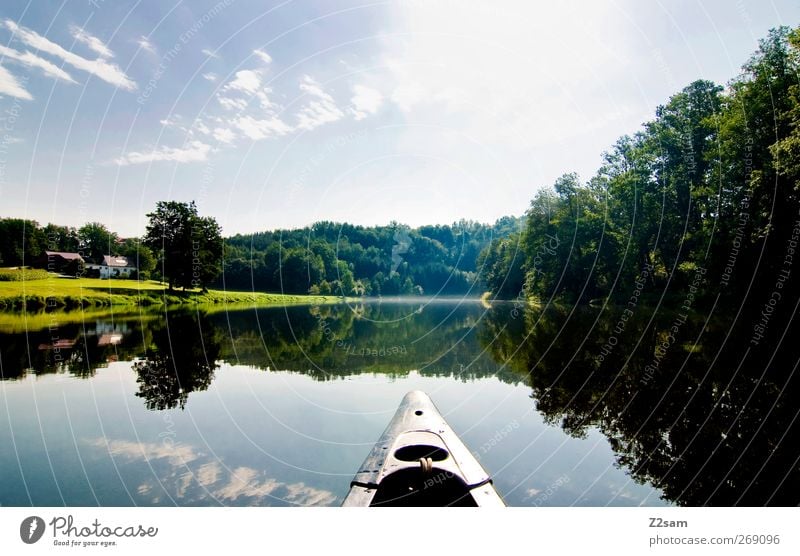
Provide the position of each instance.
(55, 292)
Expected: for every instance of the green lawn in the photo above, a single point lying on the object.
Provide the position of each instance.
(55, 291)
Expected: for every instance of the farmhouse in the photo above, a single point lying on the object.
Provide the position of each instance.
(57, 261)
(113, 267)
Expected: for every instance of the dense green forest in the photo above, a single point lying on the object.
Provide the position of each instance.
(344, 259)
(705, 193)
(325, 258)
(23, 242)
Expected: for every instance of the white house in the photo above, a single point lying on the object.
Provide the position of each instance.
(114, 267)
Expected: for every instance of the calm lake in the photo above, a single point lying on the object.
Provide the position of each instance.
(279, 406)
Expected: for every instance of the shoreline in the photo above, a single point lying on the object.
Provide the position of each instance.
(64, 294)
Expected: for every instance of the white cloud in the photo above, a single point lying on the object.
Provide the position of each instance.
(229, 103)
(11, 87)
(208, 473)
(202, 128)
(224, 135)
(366, 101)
(192, 476)
(210, 76)
(260, 129)
(31, 60)
(407, 95)
(177, 454)
(265, 101)
(321, 110)
(93, 43)
(243, 481)
(304, 495)
(145, 44)
(171, 121)
(196, 151)
(247, 81)
(263, 56)
(210, 53)
(318, 113)
(246, 482)
(100, 68)
(310, 86)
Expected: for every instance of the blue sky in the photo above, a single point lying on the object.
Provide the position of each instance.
(279, 114)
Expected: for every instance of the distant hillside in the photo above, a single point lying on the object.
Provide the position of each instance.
(344, 259)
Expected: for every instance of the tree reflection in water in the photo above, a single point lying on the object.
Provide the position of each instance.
(181, 360)
(709, 419)
(693, 409)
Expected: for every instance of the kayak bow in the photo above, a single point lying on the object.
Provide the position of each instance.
(419, 461)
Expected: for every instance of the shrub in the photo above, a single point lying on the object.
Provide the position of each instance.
(20, 274)
(34, 302)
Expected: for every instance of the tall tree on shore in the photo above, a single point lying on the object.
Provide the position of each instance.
(188, 247)
(96, 240)
(140, 254)
(61, 238)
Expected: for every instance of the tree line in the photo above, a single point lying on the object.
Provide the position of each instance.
(187, 250)
(708, 187)
(345, 259)
(180, 246)
(23, 243)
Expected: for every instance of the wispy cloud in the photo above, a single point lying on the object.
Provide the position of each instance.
(260, 129)
(210, 76)
(11, 87)
(92, 42)
(193, 476)
(100, 68)
(210, 53)
(171, 121)
(321, 110)
(264, 100)
(232, 103)
(259, 121)
(195, 151)
(263, 56)
(178, 455)
(31, 60)
(145, 44)
(366, 101)
(201, 127)
(247, 81)
(224, 135)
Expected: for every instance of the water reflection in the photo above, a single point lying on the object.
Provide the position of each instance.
(179, 360)
(176, 353)
(687, 404)
(685, 401)
(65, 343)
(187, 476)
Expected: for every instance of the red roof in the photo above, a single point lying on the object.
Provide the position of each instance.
(63, 255)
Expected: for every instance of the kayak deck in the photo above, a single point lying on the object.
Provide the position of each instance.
(420, 461)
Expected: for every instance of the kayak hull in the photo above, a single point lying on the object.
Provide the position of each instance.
(420, 461)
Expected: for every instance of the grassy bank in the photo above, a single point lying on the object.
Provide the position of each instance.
(71, 293)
